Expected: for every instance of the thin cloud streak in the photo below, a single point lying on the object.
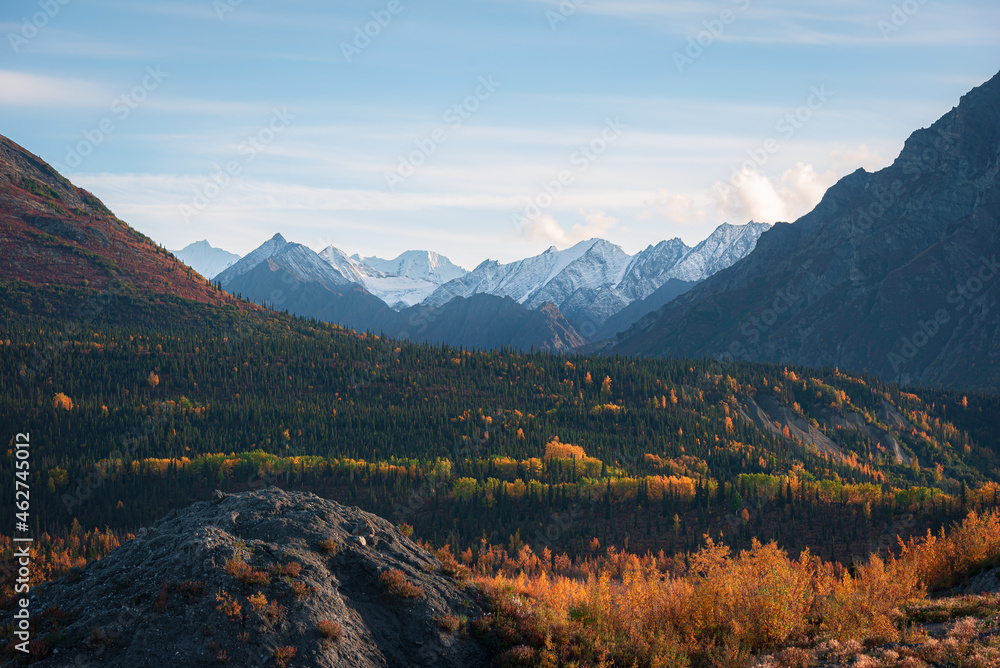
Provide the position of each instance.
(21, 89)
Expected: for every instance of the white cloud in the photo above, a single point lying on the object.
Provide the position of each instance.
(20, 89)
(544, 228)
(802, 187)
(547, 229)
(752, 195)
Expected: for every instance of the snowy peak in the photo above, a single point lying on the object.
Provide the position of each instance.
(573, 253)
(649, 268)
(519, 280)
(723, 248)
(298, 260)
(206, 259)
(418, 265)
(402, 282)
(398, 291)
(595, 279)
(253, 258)
(348, 266)
(567, 278)
(304, 263)
(588, 282)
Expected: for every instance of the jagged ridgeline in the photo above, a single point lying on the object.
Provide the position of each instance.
(146, 403)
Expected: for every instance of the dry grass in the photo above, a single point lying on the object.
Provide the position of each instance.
(944, 610)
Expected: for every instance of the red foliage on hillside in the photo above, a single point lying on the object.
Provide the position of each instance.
(52, 232)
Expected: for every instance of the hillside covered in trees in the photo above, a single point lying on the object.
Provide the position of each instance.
(150, 402)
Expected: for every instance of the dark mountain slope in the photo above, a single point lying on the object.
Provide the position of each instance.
(629, 315)
(273, 284)
(893, 272)
(487, 321)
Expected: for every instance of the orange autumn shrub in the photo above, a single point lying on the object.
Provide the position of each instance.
(712, 606)
(867, 606)
(940, 559)
(763, 596)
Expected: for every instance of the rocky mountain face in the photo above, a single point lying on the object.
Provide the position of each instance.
(53, 232)
(594, 280)
(894, 272)
(206, 259)
(262, 578)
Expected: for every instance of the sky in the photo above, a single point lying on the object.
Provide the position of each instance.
(476, 129)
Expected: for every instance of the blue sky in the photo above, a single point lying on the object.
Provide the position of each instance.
(439, 129)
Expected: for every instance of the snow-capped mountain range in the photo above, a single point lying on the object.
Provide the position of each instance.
(330, 286)
(205, 258)
(595, 279)
(589, 283)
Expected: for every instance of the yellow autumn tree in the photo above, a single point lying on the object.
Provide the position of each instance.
(62, 401)
(153, 379)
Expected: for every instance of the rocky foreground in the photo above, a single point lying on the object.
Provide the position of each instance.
(265, 578)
